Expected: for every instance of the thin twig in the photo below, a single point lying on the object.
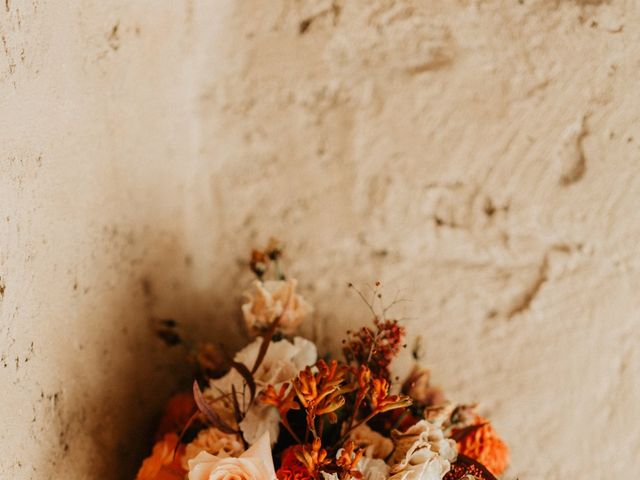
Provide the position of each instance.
(364, 299)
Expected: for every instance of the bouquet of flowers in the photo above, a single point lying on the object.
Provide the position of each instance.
(275, 410)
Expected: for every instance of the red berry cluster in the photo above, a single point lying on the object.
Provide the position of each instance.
(375, 349)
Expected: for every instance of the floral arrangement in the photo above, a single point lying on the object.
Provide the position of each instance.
(275, 410)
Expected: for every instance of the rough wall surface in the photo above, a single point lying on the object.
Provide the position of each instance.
(480, 156)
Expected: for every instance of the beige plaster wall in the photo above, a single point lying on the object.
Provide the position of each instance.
(480, 156)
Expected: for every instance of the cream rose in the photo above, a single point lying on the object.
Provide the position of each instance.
(271, 299)
(254, 464)
(373, 469)
(422, 453)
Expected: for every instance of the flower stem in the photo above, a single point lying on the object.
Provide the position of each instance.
(361, 422)
(286, 425)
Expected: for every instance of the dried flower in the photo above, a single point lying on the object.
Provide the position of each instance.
(375, 349)
(283, 400)
(320, 392)
(313, 457)
(422, 453)
(259, 263)
(272, 299)
(348, 459)
(485, 446)
(363, 378)
(254, 464)
(274, 249)
(215, 442)
(465, 468)
(381, 401)
(161, 464)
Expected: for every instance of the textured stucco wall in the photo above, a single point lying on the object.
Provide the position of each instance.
(482, 156)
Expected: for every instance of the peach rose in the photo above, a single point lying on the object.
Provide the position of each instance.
(268, 300)
(215, 442)
(254, 464)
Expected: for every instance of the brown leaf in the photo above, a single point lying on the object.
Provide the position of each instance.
(209, 413)
(247, 375)
(236, 406)
(192, 419)
(266, 341)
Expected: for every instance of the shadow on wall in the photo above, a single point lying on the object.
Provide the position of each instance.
(124, 361)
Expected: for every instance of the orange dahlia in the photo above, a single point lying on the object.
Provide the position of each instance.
(161, 464)
(485, 446)
(291, 468)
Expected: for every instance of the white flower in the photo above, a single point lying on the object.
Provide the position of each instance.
(254, 464)
(373, 468)
(282, 363)
(422, 453)
(271, 299)
(260, 419)
(374, 444)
